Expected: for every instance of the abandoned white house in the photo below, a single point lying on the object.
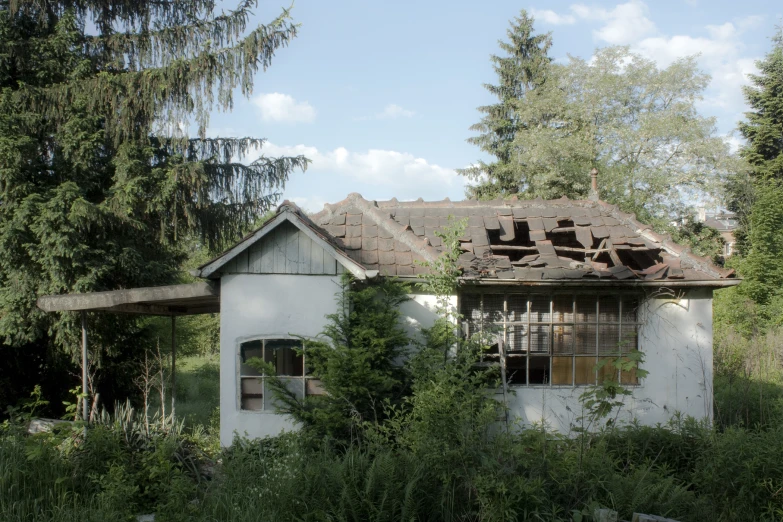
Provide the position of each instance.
(561, 284)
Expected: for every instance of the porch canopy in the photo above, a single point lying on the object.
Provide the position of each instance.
(173, 300)
(188, 299)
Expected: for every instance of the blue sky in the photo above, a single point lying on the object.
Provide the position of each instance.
(380, 95)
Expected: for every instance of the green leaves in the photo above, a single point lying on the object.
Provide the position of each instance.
(359, 362)
(756, 192)
(102, 187)
(520, 71)
(618, 112)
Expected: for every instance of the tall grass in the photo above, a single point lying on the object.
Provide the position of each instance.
(685, 471)
(748, 379)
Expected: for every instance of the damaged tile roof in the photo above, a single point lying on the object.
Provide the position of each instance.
(510, 239)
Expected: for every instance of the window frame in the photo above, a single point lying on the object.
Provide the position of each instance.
(240, 377)
(621, 295)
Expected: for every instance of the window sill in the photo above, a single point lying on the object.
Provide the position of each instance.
(259, 412)
(562, 386)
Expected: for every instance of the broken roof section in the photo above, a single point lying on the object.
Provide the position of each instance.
(511, 239)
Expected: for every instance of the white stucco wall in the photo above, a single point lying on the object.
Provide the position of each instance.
(676, 339)
(261, 305)
(254, 306)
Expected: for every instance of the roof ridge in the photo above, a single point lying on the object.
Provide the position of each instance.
(401, 233)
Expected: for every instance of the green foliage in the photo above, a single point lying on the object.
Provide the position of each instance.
(102, 187)
(756, 192)
(521, 70)
(703, 240)
(122, 467)
(619, 113)
(636, 124)
(358, 363)
(599, 401)
(433, 468)
(748, 378)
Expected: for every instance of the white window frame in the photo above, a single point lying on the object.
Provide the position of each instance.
(268, 408)
(503, 326)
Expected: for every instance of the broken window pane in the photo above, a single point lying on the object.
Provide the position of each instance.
(516, 369)
(539, 370)
(548, 336)
(281, 354)
(250, 350)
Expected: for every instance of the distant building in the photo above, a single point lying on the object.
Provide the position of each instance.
(724, 222)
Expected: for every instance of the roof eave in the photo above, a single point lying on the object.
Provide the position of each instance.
(211, 269)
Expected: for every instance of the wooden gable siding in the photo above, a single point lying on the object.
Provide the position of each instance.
(285, 250)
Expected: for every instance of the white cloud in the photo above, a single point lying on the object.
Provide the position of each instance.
(719, 54)
(624, 24)
(719, 50)
(393, 111)
(552, 18)
(376, 173)
(309, 204)
(735, 142)
(280, 107)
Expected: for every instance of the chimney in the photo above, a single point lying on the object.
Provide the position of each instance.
(594, 185)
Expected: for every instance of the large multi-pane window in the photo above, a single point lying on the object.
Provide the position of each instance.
(287, 358)
(554, 339)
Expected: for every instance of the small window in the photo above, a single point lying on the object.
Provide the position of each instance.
(288, 360)
(556, 339)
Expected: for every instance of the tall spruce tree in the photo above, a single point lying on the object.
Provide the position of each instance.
(757, 194)
(519, 71)
(99, 182)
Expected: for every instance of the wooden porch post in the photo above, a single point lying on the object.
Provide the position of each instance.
(85, 401)
(173, 365)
